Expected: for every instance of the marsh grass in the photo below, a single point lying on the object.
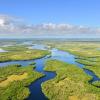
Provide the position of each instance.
(21, 53)
(12, 78)
(14, 81)
(71, 82)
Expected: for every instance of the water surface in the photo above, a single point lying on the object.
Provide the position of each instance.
(1, 50)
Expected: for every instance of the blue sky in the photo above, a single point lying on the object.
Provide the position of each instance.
(75, 12)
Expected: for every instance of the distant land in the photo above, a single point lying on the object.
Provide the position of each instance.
(55, 39)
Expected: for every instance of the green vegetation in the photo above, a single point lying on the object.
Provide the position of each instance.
(12, 78)
(16, 89)
(33, 63)
(91, 65)
(15, 48)
(96, 83)
(21, 53)
(81, 49)
(71, 83)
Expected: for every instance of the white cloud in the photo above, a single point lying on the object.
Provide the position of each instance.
(14, 26)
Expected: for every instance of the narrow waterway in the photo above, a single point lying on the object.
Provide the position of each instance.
(35, 87)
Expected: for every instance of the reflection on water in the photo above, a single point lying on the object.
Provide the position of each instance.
(64, 56)
(1, 50)
(40, 47)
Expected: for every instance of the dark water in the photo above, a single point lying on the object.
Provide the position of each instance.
(35, 87)
(94, 77)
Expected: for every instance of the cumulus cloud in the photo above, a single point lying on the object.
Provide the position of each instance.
(14, 25)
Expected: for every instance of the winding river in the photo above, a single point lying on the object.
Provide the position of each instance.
(35, 87)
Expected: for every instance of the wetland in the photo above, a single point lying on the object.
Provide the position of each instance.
(49, 70)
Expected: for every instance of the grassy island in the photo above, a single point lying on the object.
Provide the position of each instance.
(21, 53)
(71, 83)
